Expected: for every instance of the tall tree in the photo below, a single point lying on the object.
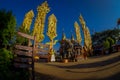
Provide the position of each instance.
(7, 37)
(99, 37)
(7, 28)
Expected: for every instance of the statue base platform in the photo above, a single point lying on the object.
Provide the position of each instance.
(52, 58)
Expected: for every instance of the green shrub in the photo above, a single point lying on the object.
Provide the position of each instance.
(5, 63)
(106, 44)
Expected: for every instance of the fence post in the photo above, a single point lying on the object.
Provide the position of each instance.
(33, 71)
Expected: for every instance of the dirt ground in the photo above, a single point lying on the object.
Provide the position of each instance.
(95, 68)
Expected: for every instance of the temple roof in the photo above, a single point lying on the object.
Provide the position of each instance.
(72, 37)
(63, 36)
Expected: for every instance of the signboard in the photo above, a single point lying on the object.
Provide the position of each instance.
(43, 45)
(19, 65)
(23, 53)
(42, 50)
(23, 60)
(23, 47)
(25, 35)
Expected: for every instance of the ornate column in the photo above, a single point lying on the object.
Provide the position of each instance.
(51, 33)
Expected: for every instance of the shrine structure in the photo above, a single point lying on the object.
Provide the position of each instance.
(72, 49)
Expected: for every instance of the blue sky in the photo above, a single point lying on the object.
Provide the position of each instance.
(98, 14)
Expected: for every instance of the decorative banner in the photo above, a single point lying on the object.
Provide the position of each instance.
(77, 30)
(87, 37)
(51, 33)
(52, 27)
(82, 22)
(28, 20)
(40, 20)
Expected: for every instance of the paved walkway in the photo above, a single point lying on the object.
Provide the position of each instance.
(95, 68)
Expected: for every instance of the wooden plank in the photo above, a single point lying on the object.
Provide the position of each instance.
(42, 50)
(22, 60)
(44, 56)
(19, 65)
(18, 52)
(43, 45)
(23, 47)
(25, 35)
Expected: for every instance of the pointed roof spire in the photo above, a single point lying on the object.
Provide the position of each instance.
(63, 35)
(72, 37)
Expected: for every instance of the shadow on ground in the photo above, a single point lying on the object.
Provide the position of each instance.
(40, 76)
(113, 77)
(89, 65)
(92, 71)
